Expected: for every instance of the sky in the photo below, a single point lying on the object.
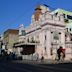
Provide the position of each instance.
(16, 12)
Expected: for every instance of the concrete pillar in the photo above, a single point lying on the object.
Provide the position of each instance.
(63, 39)
(42, 41)
(18, 51)
(48, 43)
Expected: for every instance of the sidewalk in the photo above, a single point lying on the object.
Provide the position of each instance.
(42, 62)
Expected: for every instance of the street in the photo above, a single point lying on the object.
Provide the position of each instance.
(30, 67)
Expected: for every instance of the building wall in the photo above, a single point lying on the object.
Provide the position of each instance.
(67, 14)
(47, 27)
(10, 37)
(46, 24)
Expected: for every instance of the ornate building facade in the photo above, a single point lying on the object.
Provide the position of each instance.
(45, 34)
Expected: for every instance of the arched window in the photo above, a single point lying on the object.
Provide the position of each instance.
(67, 29)
(45, 37)
(23, 32)
(56, 35)
(70, 29)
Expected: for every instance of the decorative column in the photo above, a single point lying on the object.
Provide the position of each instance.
(48, 43)
(63, 39)
(59, 38)
(41, 47)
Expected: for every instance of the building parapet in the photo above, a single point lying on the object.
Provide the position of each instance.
(52, 19)
(48, 18)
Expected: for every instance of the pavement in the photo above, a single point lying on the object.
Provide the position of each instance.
(43, 61)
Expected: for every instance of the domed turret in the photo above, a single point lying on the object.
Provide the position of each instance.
(21, 29)
(37, 13)
(40, 9)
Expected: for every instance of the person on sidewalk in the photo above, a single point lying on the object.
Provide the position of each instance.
(42, 58)
(61, 53)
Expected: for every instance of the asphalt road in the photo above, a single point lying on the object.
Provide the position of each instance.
(30, 67)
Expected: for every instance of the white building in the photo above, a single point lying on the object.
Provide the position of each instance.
(46, 32)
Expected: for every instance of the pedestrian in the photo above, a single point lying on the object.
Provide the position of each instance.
(63, 54)
(42, 58)
(59, 52)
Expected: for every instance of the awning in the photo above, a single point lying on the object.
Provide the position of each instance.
(24, 44)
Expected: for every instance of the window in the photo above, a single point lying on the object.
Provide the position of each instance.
(45, 50)
(69, 17)
(70, 37)
(67, 29)
(52, 16)
(59, 18)
(70, 34)
(28, 40)
(51, 32)
(32, 40)
(56, 13)
(65, 35)
(56, 36)
(66, 20)
(45, 37)
(70, 29)
(23, 32)
(64, 15)
(59, 33)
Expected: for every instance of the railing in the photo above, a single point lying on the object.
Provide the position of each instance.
(30, 57)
